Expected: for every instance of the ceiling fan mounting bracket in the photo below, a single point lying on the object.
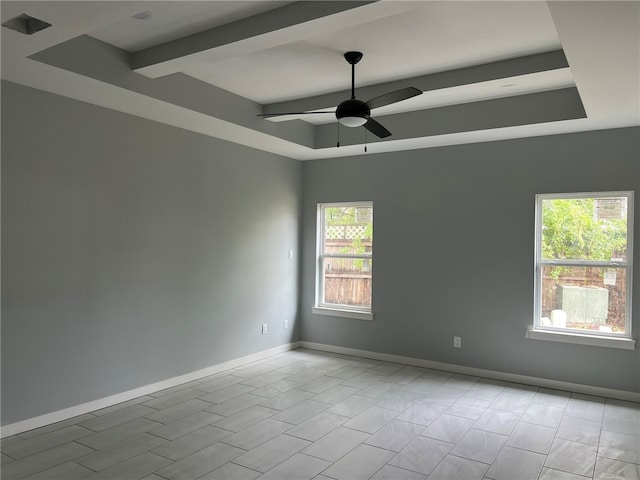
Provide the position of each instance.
(353, 57)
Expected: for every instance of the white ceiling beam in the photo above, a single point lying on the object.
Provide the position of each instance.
(107, 64)
(464, 76)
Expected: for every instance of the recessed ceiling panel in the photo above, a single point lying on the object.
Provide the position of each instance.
(429, 37)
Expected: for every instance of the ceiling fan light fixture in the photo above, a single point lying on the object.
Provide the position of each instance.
(352, 121)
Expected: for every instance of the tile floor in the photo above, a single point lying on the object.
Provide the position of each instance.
(306, 414)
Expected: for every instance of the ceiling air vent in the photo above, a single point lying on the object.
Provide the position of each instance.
(26, 24)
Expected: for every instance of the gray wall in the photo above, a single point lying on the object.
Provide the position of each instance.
(133, 252)
(453, 251)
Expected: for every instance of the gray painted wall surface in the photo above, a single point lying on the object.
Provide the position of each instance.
(133, 252)
(453, 251)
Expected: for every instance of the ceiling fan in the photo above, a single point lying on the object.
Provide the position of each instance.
(356, 113)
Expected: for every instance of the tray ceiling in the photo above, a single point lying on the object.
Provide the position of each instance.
(488, 70)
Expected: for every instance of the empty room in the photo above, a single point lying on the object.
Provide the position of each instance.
(330, 240)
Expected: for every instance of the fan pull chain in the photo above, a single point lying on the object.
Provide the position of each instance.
(365, 140)
(338, 144)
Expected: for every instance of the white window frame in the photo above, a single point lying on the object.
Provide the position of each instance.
(320, 307)
(569, 335)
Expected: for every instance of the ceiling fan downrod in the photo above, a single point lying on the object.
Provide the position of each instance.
(352, 58)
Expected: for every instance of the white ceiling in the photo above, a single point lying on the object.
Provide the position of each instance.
(165, 21)
(425, 37)
(211, 66)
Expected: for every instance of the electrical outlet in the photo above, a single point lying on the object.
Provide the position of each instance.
(457, 342)
(286, 324)
(264, 328)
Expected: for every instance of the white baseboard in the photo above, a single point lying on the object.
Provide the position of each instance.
(58, 416)
(479, 372)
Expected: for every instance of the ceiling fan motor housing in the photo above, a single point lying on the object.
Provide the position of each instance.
(353, 113)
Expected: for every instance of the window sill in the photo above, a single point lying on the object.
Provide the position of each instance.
(334, 312)
(565, 337)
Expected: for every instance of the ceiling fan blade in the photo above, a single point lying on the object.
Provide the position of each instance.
(282, 114)
(393, 97)
(377, 129)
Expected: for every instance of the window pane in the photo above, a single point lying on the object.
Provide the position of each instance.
(584, 298)
(584, 228)
(348, 230)
(347, 281)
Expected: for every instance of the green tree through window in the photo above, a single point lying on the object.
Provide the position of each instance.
(583, 263)
(573, 230)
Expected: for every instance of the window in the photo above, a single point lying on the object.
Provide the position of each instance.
(583, 268)
(344, 259)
